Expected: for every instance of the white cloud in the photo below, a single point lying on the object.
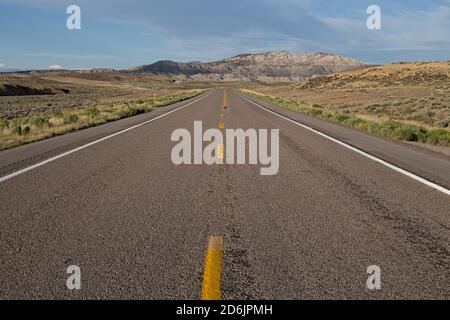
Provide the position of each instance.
(2, 65)
(55, 67)
(70, 56)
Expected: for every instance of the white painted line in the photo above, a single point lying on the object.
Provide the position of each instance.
(40, 164)
(395, 168)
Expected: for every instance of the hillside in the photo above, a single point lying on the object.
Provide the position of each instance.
(264, 67)
(429, 74)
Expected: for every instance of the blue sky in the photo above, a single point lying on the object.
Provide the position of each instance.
(121, 34)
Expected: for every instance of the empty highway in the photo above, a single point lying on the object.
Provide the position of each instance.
(111, 201)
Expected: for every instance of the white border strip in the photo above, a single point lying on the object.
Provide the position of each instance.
(40, 164)
(395, 168)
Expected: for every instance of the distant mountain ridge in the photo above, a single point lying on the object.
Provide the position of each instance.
(268, 67)
(276, 66)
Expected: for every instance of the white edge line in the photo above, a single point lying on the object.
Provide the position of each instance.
(42, 163)
(387, 164)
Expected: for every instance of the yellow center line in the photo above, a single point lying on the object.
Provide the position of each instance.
(222, 114)
(225, 102)
(212, 276)
(220, 151)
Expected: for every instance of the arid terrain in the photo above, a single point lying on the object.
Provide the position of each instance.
(23, 95)
(405, 101)
(38, 105)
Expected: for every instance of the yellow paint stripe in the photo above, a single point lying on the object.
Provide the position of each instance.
(222, 115)
(220, 151)
(225, 102)
(212, 276)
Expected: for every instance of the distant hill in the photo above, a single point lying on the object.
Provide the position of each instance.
(25, 84)
(18, 90)
(429, 74)
(269, 67)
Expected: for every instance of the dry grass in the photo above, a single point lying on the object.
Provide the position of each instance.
(62, 92)
(412, 95)
(23, 130)
(383, 127)
(42, 105)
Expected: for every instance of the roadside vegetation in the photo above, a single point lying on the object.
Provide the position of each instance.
(21, 130)
(381, 126)
(407, 101)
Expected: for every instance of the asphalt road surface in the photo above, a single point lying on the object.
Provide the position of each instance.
(138, 226)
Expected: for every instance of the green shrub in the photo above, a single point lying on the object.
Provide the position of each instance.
(26, 130)
(70, 118)
(37, 121)
(406, 133)
(17, 130)
(439, 137)
(130, 112)
(327, 115)
(340, 117)
(354, 122)
(422, 134)
(135, 111)
(374, 127)
(315, 112)
(92, 112)
(387, 129)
